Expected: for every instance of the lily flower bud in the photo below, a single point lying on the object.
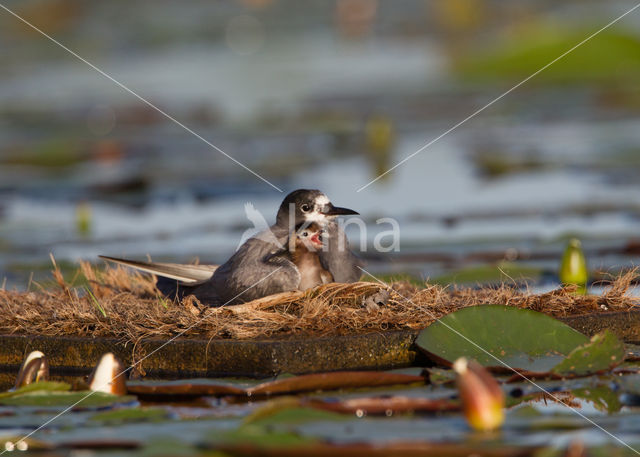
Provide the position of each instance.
(35, 368)
(108, 376)
(481, 396)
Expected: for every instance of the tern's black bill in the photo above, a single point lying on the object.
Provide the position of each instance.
(331, 210)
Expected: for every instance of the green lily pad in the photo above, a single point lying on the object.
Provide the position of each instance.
(126, 415)
(603, 352)
(603, 398)
(80, 399)
(45, 386)
(262, 436)
(491, 334)
(296, 416)
(439, 376)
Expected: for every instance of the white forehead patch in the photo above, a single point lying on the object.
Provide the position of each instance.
(315, 216)
(322, 200)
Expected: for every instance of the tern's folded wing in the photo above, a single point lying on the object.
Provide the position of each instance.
(185, 273)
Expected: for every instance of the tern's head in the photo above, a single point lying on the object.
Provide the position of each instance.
(304, 205)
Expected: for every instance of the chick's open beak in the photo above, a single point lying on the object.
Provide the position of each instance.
(330, 210)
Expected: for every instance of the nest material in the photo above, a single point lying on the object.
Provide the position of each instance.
(126, 305)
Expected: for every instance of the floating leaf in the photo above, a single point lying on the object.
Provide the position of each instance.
(603, 398)
(78, 400)
(333, 380)
(271, 407)
(292, 416)
(192, 388)
(387, 405)
(292, 448)
(283, 385)
(520, 338)
(438, 376)
(126, 415)
(46, 386)
(603, 352)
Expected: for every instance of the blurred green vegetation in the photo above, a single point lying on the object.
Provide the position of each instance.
(612, 56)
(54, 153)
(487, 274)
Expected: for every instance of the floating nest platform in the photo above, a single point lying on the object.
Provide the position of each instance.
(332, 327)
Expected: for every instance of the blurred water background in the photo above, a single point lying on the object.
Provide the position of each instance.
(320, 94)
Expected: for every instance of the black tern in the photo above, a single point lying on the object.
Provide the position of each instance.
(257, 268)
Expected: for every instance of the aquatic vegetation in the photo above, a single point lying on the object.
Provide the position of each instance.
(535, 46)
(510, 339)
(350, 412)
(603, 352)
(491, 273)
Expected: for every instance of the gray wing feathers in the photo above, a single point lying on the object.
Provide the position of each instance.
(253, 272)
(186, 274)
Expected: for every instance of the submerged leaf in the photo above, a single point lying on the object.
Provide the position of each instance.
(491, 334)
(602, 353)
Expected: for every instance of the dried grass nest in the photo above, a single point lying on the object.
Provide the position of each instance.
(126, 305)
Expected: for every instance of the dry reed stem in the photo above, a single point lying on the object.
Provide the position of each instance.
(126, 305)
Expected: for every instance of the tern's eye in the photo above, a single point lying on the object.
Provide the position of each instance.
(305, 208)
(305, 234)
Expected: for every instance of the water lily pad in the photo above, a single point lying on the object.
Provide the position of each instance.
(79, 400)
(292, 447)
(491, 334)
(294, 416)
(47, 386)
(283, 385)
(261, 436)
(126, 415)
(603, 398)
(333, 380)
(385, 405)
(438, 376)
(603, 352)
(190, 388)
